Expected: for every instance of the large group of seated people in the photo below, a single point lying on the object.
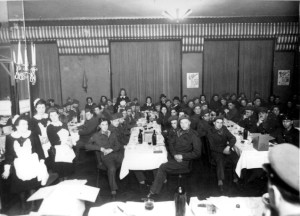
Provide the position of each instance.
(187, 124)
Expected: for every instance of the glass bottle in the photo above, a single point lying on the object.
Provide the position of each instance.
(148, 117)
(245, 134)
(154, 138)
(180, 201)
(140, 137)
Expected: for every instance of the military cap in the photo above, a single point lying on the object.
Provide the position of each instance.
(172, 118)
(287, 169)
(185, 116)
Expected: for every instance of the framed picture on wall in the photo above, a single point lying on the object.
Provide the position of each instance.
(192, 80)
(284, 77)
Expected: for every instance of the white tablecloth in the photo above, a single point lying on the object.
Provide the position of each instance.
(250, 158)
(143, 156)
(248, 206)
(137, 209)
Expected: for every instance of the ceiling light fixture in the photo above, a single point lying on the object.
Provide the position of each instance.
(24, 70)
(176, 14)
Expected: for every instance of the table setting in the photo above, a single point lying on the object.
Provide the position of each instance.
(144, 155)
(249, 157)
(223, 205)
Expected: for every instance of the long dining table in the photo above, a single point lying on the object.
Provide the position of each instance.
(249, 157)
(145, 155)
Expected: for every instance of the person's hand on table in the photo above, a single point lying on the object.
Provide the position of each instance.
(178, 158)
(226, 150)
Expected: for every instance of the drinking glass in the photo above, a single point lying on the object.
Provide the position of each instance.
(149, 204)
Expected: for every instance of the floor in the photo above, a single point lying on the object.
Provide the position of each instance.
(201, 183)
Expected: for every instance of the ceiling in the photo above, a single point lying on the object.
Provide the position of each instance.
(74, 9)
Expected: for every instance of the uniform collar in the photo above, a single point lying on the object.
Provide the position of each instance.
(17, 135)
(181, 132)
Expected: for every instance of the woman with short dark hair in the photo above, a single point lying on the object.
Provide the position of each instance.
(24, 161)
(61, 144)
(122, 97)
(39, 124)
(148, 106)
(89, 103)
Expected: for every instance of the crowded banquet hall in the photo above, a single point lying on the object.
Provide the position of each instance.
(153, 107)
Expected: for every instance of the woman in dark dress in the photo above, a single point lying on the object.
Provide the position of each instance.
(89, 103)
(122, 97)
(59, 138)
(39, 124)
(148, 106)
(103, 101)
(163, 119)
(24, 161)
(215, 103)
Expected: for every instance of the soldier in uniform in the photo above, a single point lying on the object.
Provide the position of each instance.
(289, 134)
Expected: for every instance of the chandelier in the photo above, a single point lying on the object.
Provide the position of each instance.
(24, 70)
(176, 14)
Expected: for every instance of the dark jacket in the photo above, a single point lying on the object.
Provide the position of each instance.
(215, 105)
(247, 123)
(148, 107)
(130, 121)
(270, 126)
(203, 128)
(218, 139)
(186, 143)
(291, 136)
(100, 140)
(163, 121)
(195, 118)
(137, 115)
(233, 115)
(88, 128)
(119, 133)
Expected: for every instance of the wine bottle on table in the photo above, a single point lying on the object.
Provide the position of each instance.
(180, 201)
(140, 137)
(148, 117)
(154, 138)
(245, 134)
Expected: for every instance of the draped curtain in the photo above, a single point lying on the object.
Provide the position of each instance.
(220, 67)
(146, 69)
(48, 83)
(238, 66)
(256, 59)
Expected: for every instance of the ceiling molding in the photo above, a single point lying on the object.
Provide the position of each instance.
(132, 21)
